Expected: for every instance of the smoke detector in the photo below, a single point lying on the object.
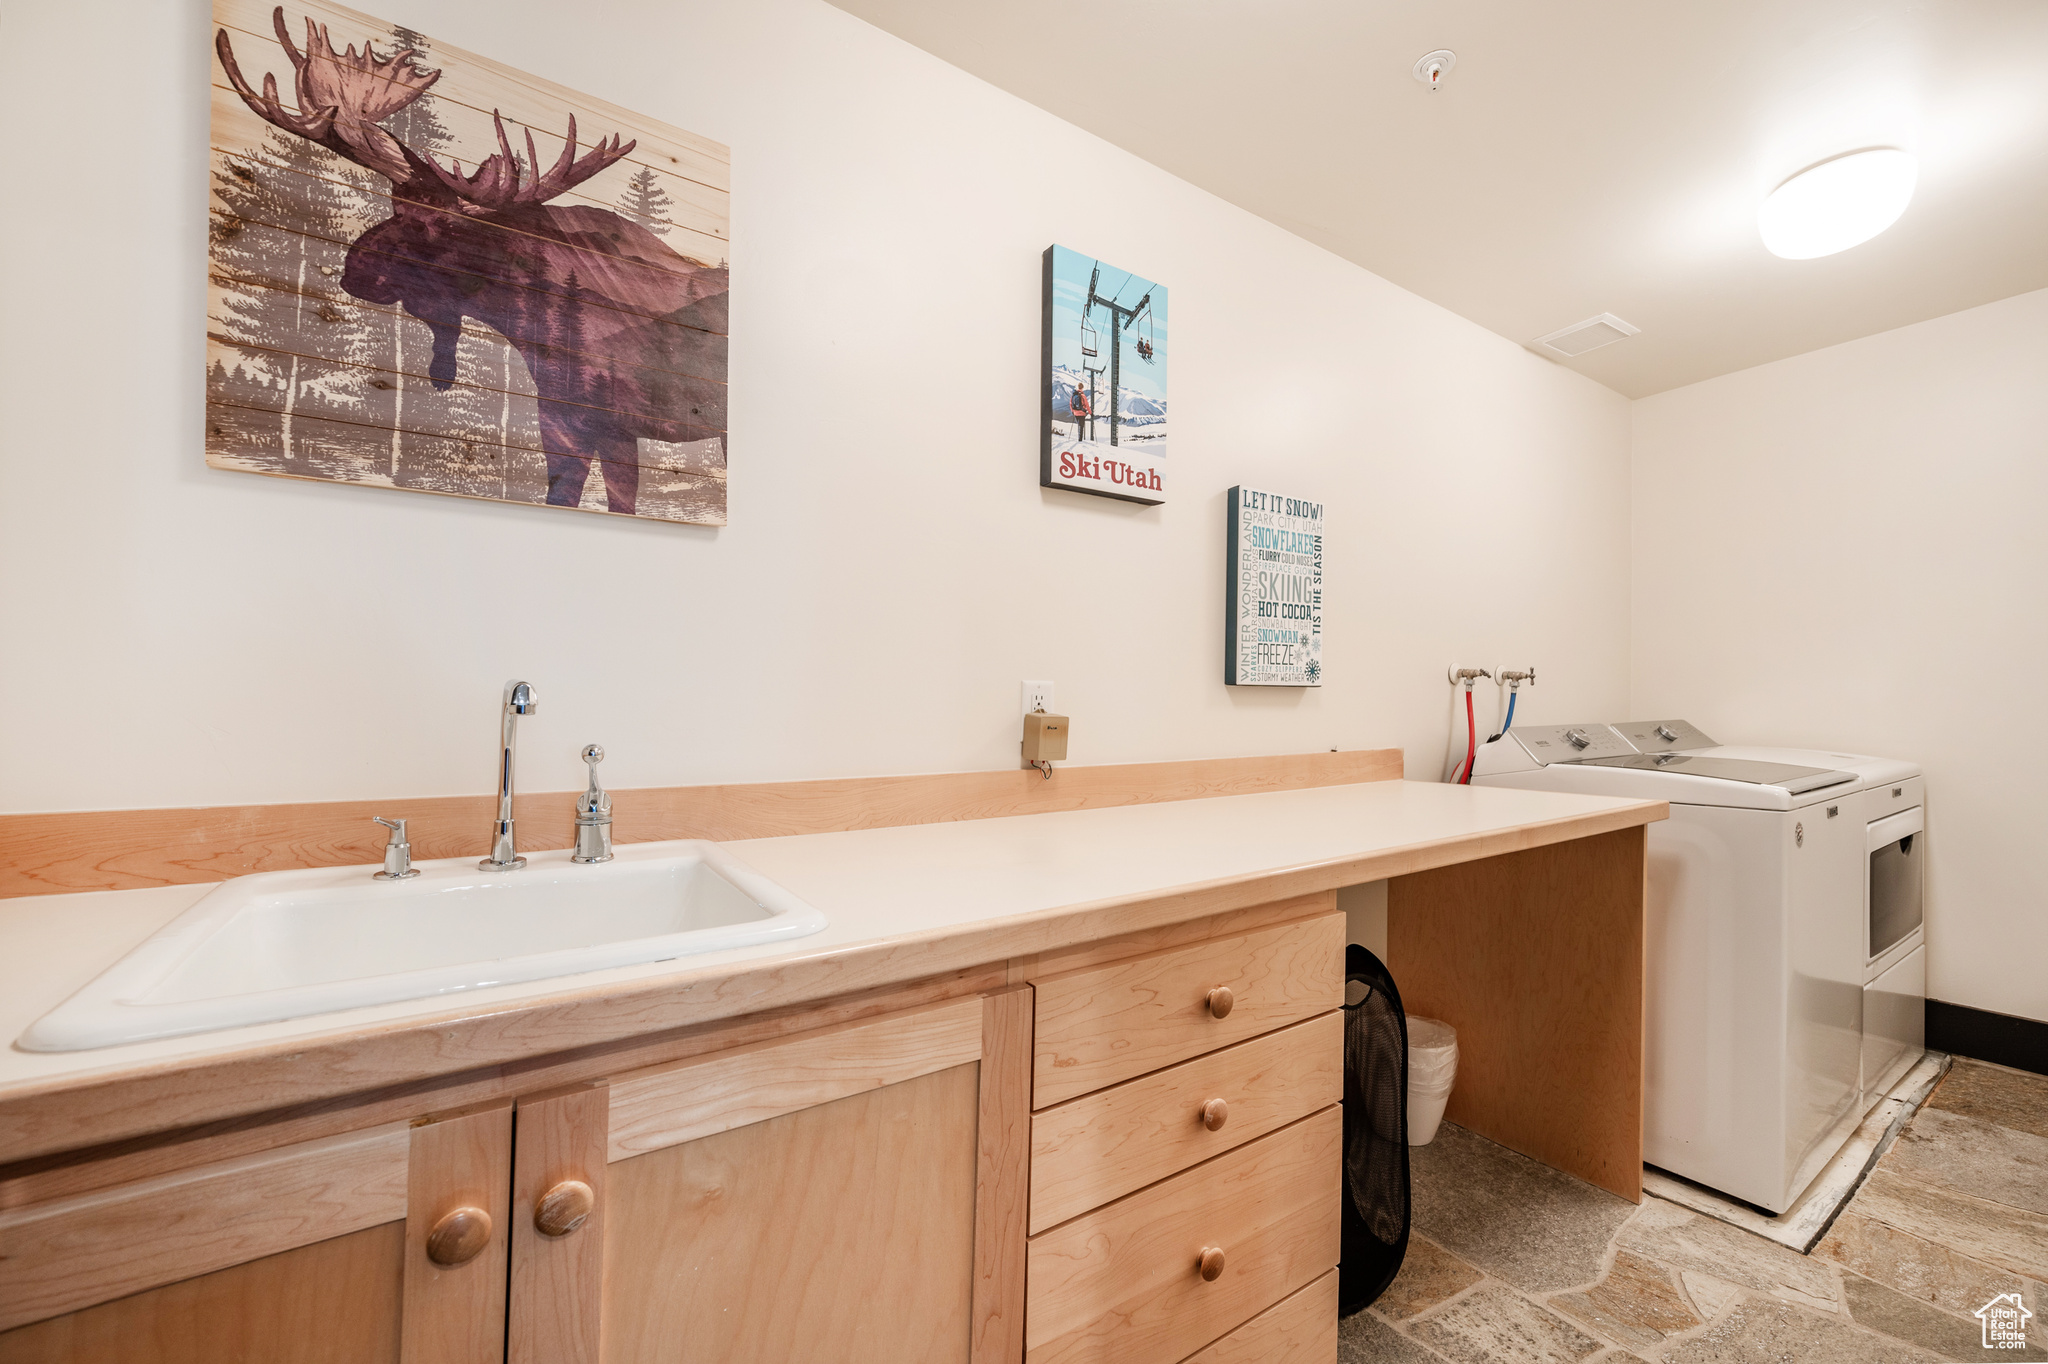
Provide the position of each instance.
(1432, 67)
(1580, 337)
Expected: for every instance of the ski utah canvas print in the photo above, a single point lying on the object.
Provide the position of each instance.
(429, 271)
(1102, 386)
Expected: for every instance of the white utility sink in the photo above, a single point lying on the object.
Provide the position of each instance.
(287, 944)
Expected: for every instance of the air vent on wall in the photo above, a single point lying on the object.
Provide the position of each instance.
(1581, 337)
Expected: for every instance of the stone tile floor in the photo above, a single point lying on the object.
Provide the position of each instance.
(1512, 1262)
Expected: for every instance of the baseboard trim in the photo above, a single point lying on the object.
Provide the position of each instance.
(2003, 1040)
(49, 854)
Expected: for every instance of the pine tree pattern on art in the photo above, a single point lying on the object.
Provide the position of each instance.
(646, 202)
(291, 346)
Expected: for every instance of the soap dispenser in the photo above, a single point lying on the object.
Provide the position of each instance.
(593, 815)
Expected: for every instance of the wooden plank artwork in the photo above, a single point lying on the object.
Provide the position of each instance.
(547, 326)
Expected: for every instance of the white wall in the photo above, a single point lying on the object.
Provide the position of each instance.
(177, 635)
(1845, 550)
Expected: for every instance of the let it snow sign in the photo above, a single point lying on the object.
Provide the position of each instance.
(1273, 609)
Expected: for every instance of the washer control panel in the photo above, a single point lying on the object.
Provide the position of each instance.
(1571, 743)
(1664, 736)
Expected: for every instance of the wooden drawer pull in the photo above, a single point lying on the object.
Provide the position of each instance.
(1220, 1001)
(458, 1236)
(1215, 1113)
(1212, 1263)
(563, 1208)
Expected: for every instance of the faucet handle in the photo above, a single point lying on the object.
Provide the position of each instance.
(397, 851)
(593, 815)
(595, 799)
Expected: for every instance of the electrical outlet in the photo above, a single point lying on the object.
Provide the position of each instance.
(1037, 696)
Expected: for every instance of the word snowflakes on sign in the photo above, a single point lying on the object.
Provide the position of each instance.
(431, 272)
(1273, 598)
(1102, 385)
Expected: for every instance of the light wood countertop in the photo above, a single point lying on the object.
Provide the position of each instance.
(902, 904)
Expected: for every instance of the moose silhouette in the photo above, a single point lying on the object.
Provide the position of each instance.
(622, 336)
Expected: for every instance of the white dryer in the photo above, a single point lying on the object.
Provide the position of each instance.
(1786, 972)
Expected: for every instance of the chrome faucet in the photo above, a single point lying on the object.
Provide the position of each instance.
(519, 700)
(593, 815)
(397, 852)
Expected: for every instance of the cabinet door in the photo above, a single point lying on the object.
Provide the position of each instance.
(315, 1252)
(852, 1194)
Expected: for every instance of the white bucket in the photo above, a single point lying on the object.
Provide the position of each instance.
(1432, 1069)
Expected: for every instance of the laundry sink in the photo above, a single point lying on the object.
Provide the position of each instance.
(281, 945)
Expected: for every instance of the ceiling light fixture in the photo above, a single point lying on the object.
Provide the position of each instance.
(1432, 67)
(1840, 203)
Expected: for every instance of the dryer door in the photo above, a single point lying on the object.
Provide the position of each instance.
(1893, 908)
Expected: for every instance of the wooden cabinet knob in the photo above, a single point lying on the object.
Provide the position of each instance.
(1215, 1113)
(1220, 1001)
(458, 1236)
(1212, 1263)
(563, 1208)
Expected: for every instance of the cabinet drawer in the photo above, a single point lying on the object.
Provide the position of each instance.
(1301, 1330)
(1103, 1145)
(1123, 1284)
(1104, 1024)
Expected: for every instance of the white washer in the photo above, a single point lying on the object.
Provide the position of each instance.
(1786, 971)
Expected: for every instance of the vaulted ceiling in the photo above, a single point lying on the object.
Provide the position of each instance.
(1583, 156)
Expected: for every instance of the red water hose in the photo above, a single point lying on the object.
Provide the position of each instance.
(1471, 741)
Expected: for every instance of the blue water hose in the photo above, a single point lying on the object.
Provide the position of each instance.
(1507, 724)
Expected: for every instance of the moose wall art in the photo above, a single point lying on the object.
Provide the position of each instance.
(432, 272)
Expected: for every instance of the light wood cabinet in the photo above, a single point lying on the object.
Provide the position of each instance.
(1124, 1283)
(854, 1192)
(850, 1181)
(817, 1197)
(1187, 1146)
(842, 1231)
(1101, 1024)
(307, 1253)
(1101, 1146)
(1301, 1329)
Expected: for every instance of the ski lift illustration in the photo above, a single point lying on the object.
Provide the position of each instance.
(1146, 350)
(1089, 342)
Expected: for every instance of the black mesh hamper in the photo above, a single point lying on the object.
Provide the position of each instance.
(1375, 1132)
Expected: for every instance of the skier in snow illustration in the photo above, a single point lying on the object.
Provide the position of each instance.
(1078, 404)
